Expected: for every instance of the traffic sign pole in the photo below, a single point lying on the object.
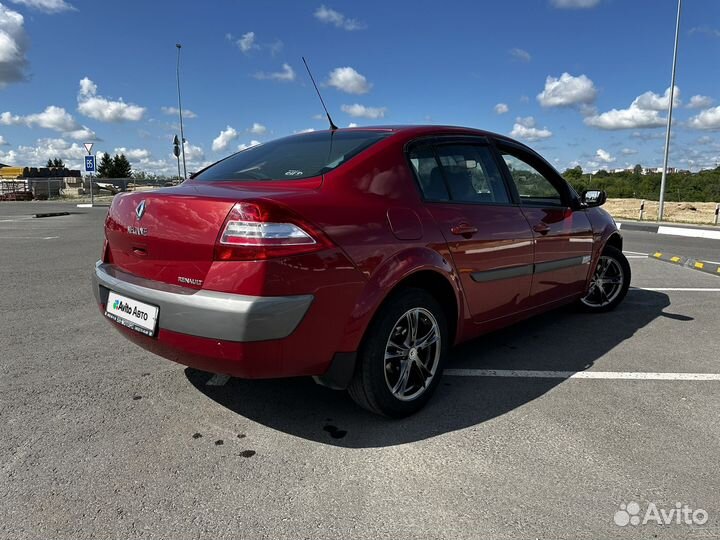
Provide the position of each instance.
(90, 167)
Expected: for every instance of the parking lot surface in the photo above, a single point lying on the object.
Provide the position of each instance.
(549, 429)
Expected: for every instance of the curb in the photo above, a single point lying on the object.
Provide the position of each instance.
(694, 264)
(693, 232)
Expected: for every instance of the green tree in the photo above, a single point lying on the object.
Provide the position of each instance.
(57, 162)
(121, 167)
(637, 170)
(105, 166)
(574, 174)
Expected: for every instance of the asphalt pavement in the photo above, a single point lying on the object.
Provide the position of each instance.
(565, 426)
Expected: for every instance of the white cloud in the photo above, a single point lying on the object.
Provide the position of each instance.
(348, 80)
(173, 111)
(44, 149)
(285, 75)
(134, 154)
(222, 141)
(13, 47)
(246, 43)
(707, 119)
(650, 101)
(9, 119)
(630, 118)
(3, 142)
(46, 6)
(103, 109)
(644, 112)
(308, 130)
(574, 4)
(699, 102)
(350, 125)
(604, 156)
(501, 108)
(87, 87)
(82, 134)
(714, 32)
(361, 111)
(330, 16)
(628, 151)
(705, 139)
(520, 54)
(258, 129)
(53, 117)
(245, 146)
(524, 128)
(193, 153)
(567, 91)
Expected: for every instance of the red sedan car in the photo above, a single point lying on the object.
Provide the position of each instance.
(356, 256)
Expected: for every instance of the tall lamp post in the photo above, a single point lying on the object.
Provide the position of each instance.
(669, 120)
(182, 134)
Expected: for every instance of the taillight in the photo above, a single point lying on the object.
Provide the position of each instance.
(262, 230)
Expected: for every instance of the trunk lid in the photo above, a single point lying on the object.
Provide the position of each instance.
(169, 235)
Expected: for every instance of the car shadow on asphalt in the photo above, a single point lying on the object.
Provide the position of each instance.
(562, 340)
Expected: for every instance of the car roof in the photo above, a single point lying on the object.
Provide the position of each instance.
(416, 130)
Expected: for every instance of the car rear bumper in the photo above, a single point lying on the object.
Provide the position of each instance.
(206, 314)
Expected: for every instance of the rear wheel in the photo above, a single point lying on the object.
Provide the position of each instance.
(401, 359)
(609, 283)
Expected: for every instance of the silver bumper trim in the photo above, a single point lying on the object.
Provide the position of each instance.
(208, 314)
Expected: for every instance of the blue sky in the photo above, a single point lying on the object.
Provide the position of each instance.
(582, 81)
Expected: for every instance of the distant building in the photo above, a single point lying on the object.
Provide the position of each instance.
(658, 170)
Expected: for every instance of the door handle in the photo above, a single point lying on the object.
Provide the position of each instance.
(542, 228)
(464, 229)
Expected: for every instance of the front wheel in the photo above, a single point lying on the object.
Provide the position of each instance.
(402, 356)
(609, 283)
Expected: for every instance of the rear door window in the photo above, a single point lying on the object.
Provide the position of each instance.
(292, 158)
(464, 173)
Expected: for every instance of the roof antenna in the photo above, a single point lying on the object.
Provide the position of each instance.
(332, 124)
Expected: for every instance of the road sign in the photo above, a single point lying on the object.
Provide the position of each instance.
(88, 146)
(90, 164)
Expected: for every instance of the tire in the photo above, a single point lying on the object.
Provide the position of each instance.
(418, 364)
(606, 295)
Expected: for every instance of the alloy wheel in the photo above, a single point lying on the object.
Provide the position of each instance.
(412, 354)
(606, 283)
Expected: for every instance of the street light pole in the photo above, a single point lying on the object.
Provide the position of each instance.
(182, 134)
(669, 120)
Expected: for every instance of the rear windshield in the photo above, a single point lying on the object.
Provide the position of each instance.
(292, 158)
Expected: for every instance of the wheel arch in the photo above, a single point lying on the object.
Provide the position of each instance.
(422, 268)
(614, 240)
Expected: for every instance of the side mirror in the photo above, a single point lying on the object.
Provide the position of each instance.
(593, 197)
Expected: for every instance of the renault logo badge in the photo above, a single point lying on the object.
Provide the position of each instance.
(140, 210)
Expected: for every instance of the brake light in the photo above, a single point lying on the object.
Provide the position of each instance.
(262, 230)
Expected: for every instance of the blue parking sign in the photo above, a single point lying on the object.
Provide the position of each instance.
(89, 163)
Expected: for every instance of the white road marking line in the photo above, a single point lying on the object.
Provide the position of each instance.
(28, 237)
(694, 233)
(636, 256)
(688, 289)
(635, 253)
(615, 375)
(217, 380)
